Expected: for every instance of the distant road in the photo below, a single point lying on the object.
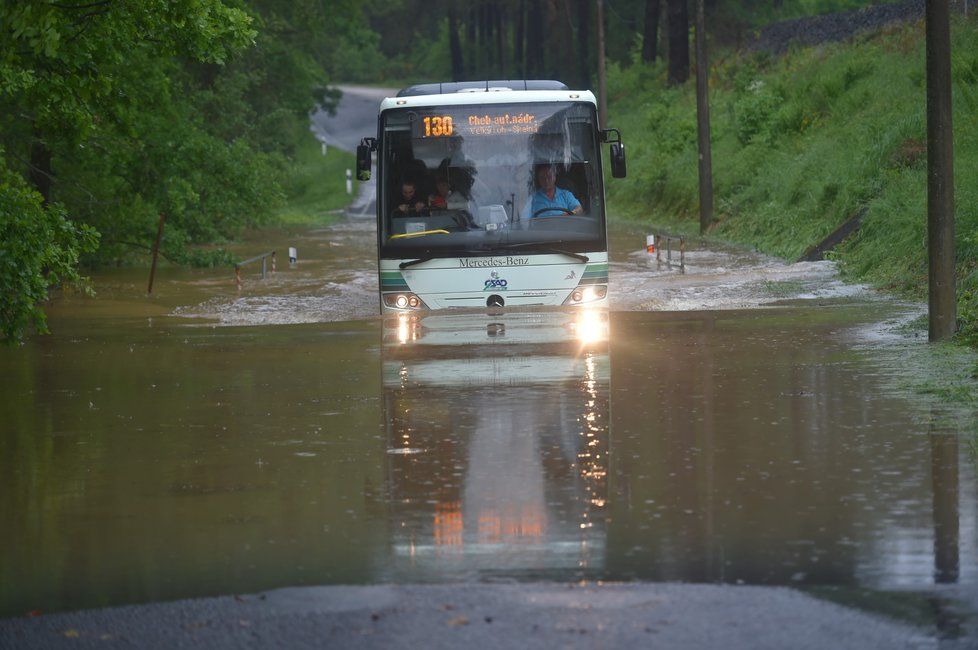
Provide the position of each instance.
(356, 117)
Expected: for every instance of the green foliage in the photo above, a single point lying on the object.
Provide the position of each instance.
(804, 142)
(317, 184)
(61, 62)
(39, 248)
(116, 112)
(753, 111)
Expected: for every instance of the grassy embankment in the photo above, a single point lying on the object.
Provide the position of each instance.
(804, 141)
(316, 188)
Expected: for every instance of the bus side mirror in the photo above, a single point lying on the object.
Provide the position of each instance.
(363, 162)
(617, 160)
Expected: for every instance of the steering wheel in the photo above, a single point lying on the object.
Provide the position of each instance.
(542, 210)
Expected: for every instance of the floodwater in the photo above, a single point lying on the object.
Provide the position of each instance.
(208, 441)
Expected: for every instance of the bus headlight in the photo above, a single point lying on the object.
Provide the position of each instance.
(404, 301)
(588, 293)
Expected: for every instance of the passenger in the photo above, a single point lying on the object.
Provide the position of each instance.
(409, 202)
(443, 194)
(548, 195)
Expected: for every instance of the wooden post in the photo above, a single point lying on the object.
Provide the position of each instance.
(602, 93)
(940, 174)
(156, 252)
(237, 276)
(703, 121)
(273, 261)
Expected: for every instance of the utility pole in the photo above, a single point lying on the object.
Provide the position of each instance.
(703, 121)
(602, 93)
(940, 175)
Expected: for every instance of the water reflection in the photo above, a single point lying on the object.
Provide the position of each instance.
(507, 419)
(771, 458)
(944, 476)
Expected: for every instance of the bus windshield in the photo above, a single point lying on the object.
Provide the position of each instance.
(490, 178)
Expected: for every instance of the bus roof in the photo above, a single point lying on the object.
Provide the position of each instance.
(498, 91)
(495, 95)
(447, 87)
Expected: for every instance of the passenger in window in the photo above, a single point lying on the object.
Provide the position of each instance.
(443, 194)
(550, 200)
(409, 203)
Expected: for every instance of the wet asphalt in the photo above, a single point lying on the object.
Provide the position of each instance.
(478, 616)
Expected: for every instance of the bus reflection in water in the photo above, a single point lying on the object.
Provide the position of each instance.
(497, 431)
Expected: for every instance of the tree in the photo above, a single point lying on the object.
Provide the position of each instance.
(650, 34)
(454, 46)
(62, 67)
(39, 247)
(678, 26)
(584, 38)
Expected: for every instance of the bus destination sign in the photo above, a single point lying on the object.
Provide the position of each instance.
(476, 124)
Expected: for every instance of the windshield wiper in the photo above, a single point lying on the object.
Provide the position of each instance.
(420, 260)
(537, 248)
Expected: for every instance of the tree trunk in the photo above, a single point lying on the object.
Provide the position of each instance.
(678, 25)
(471, 45)
(485, 53)
(39, 174)
(458, 64)
(534, 40)
(520, 38)
(501, 41)
(650, 38)
(584, 37)
(571, 43)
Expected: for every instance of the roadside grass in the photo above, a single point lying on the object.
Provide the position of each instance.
(316, 187)
(801, 143)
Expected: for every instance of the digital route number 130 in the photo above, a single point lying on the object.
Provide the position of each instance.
(438, 125)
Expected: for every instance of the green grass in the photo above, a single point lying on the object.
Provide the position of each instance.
(316, 189)
(801, 143)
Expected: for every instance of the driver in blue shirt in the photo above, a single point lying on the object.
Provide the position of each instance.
(550, 196)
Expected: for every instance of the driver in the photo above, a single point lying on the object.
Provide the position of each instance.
(548, 195)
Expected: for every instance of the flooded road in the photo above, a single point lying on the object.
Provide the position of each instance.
(208, 442)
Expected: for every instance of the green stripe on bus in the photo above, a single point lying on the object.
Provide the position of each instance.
(393, 281)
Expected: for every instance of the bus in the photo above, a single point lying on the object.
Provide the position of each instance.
(490, 194)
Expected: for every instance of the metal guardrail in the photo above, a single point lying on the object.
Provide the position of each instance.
(656, 245)
(256, 258)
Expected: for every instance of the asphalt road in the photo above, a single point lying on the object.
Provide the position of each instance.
(356, 117)
(478, 616)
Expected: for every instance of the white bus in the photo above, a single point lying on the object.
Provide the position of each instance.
(490, 194)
